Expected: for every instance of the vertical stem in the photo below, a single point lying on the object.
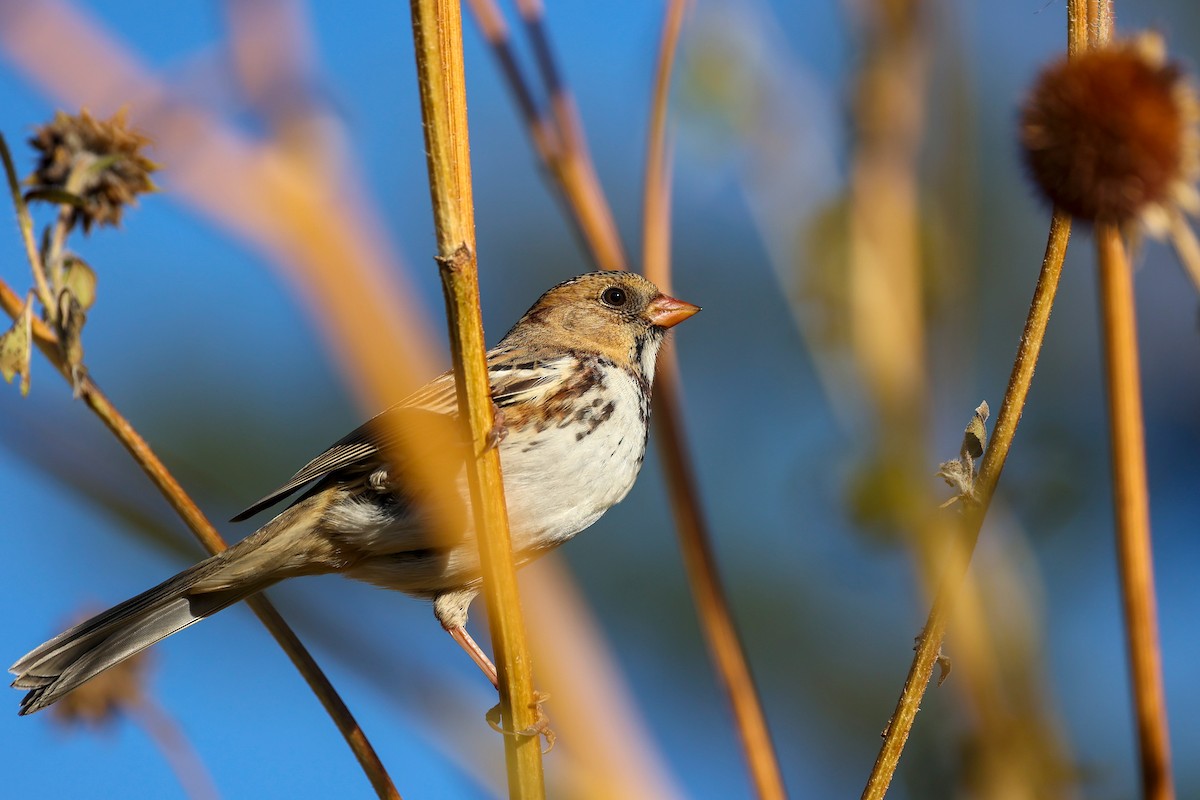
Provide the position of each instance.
(437, 33)
(656, 191)
(1132, 507)
(25, 224)
(929, 644)
(573, 166)
(181, 756)
(712, 607)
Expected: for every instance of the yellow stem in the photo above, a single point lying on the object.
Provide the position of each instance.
(929, 644)
(1132, 506)
(437, 33)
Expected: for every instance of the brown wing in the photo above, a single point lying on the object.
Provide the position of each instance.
(360, 446)
(513, 380)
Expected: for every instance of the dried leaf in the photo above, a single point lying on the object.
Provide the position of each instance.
(71, 318)
(16, 345)
(944, 667)
(49, 194)
(80, 280)
(976, 432)
(960, 473)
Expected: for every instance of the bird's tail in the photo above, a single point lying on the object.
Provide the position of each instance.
(284, 547)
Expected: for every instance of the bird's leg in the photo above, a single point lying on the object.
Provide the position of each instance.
(460, 635)
(540, 727)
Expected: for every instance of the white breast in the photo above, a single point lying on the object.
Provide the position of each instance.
(560, 480)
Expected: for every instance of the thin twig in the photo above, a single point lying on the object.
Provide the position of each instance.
(695, 541)
(495, 30)
(179, 753)
(191, 515)
(25, 224)
(437, 34)
(1100, 22)
(930, 642)
(1132, 506)
(656, 187)
(573, 168)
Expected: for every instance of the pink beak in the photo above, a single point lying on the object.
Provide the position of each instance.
(667, 312)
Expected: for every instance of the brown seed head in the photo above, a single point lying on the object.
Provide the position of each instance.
(101, 700)
(1111, 135)
(99, 160)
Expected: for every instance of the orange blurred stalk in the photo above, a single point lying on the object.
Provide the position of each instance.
(712, 606)
(1132, 507)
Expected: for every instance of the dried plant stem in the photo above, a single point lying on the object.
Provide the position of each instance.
(437, 33)
(656, 187)
(1132, 506)
(183, 759)
(930, 642)
(495, 31)
(187, 509)
(573, 168)
(557, 137)
(711, 605)
(25, 224)
(1100, 22)
(707, 594)
(52, 262)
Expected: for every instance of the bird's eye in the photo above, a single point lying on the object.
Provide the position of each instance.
(614, 296)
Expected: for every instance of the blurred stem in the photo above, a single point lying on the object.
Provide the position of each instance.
(1132, 507)
(53, 262)
(185, 762)
(545, 138)
(572, 164)
(930, 642)
(712, 607)
(589, 208)
(25, 223)
(695, 542)
(187, 509)
(437, 33)
(656, 192)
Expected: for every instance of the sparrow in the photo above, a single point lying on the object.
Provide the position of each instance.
(571, 385)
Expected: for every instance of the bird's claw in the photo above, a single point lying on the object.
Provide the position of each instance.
(498, 430)
(540, 726)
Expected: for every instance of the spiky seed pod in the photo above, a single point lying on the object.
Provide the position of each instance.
(101, 161)
(1110, 135)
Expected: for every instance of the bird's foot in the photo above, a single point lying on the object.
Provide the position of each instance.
(498, 431)
(540, 726)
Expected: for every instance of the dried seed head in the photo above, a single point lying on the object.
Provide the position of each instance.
(1111, 134)
(100, 161)
(101, 700)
